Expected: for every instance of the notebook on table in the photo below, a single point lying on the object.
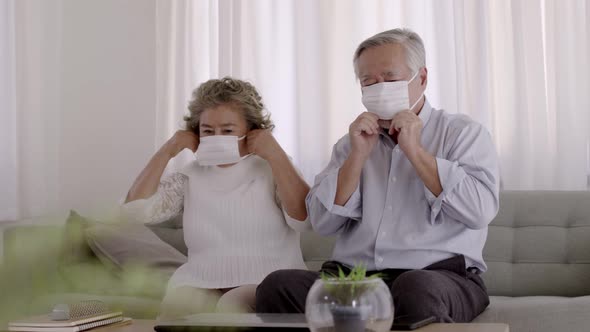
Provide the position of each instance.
(235, 322)
(44, 323)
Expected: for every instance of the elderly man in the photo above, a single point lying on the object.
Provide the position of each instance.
(409, 192)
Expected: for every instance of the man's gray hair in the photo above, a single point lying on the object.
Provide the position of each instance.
(411, 41)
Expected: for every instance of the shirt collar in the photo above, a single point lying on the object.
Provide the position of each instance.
(424, 115)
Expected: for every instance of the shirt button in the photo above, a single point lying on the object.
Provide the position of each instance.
(393, 179)
(380, 259)
(389, 207)
(383, 233)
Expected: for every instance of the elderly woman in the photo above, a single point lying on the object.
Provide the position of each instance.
(243, 201)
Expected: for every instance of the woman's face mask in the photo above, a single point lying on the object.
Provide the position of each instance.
(219, 150)
(388, 98)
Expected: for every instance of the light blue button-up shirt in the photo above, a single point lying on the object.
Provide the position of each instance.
(392, 220)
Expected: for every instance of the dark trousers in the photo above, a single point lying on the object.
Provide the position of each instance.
(446, 289)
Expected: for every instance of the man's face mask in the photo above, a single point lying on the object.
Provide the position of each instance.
(388, 98)
(219, 150)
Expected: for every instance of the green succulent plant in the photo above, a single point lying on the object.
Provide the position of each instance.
(345, 289)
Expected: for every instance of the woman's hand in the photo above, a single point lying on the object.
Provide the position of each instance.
(262, 143)
(182, 139)
(146, 183)
(291, 187)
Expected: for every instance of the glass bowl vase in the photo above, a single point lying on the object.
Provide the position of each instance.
(349, 306)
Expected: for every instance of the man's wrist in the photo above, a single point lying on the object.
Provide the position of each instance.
(358, 157)
(356, 161)
(417, 154)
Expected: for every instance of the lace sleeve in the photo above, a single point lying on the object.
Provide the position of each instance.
(166, 203)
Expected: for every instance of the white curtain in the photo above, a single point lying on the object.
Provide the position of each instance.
(29, 80)
(8, 168)
(264, 42)
(520, 67)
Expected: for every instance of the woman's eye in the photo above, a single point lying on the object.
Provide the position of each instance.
(229, 131)
(206, 132)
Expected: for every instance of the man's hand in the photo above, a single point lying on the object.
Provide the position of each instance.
(364, 133)
(409, 128)
(262, 143)
(182, 139)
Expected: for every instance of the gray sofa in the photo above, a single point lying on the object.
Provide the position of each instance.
(538, 256)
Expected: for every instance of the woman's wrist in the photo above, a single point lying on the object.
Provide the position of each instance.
(278, 156)
(168, 151)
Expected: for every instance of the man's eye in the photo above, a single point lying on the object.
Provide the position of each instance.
(228, 131)
(207, 131)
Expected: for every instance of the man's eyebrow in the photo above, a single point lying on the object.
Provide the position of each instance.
(390, 73)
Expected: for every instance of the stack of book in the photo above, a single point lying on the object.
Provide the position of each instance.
(45, 323)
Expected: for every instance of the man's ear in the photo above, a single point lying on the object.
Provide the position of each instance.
(423, 76)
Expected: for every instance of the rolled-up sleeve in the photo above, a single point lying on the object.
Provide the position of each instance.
(469, 176)
(326, 217)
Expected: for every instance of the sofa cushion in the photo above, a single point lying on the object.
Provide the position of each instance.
(116, 258)
(74, 247)
(538, 244)
(316, 249)
(124, 245)
(538, 313)
(174, 236)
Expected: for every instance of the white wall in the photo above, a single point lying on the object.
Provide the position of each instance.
(108, 99)
(87, 115)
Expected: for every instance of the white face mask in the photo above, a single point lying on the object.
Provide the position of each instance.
(388, 98)
(219, 150)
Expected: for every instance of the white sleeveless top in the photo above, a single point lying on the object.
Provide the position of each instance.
(234, 225)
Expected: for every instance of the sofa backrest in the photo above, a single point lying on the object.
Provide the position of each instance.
(538, 244)
(316, 249)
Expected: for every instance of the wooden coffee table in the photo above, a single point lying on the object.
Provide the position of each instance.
(143, 325)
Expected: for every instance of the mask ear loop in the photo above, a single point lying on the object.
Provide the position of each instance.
(422, 95)
(416, 103)
(413, 77)
(246, 155)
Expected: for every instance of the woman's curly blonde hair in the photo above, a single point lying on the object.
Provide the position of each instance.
(228, 90)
